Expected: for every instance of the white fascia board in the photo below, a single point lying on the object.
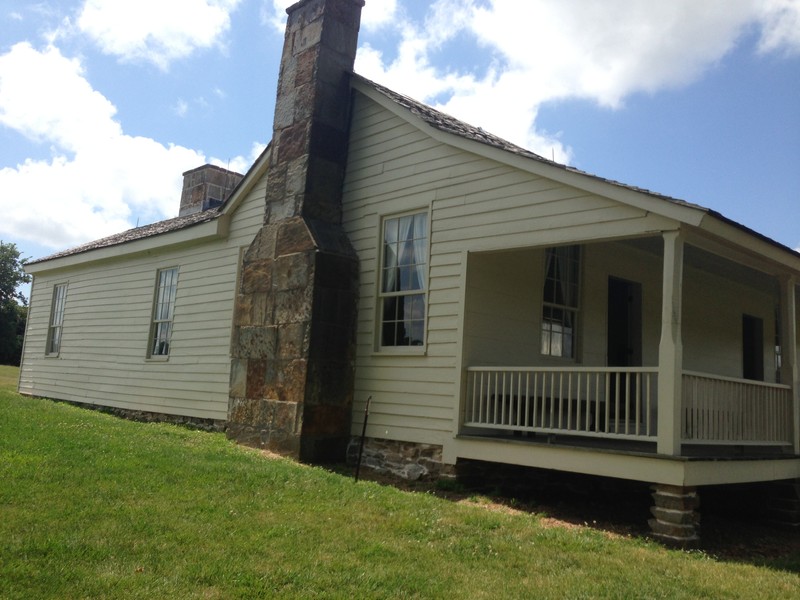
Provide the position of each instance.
(747, 247)
(156, 243)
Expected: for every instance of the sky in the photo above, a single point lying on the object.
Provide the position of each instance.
(105, 103)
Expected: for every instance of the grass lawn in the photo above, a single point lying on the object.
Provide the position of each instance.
(92, 506)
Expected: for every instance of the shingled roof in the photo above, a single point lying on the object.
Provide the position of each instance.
(137, 233)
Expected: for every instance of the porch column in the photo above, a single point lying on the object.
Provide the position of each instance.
(670, 350)
(789, 367)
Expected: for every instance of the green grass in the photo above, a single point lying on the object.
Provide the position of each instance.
(92, 506)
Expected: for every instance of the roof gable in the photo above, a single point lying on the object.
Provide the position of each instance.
(450, 130)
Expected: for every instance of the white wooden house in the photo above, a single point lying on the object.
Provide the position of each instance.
(510, 310)
(141, 321)
(571, 322)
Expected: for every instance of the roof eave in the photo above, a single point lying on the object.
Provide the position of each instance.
(198, 232)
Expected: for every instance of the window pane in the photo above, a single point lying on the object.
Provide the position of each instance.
(56, 319)
(163, 311)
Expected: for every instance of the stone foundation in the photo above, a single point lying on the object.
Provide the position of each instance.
(676, 521)
(142, 416)
(403, 459)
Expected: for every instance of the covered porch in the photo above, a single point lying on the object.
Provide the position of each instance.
(700, 363)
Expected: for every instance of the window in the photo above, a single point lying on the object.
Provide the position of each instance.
(56, 319)
(403, 280)
(560, 301)
(163, 309)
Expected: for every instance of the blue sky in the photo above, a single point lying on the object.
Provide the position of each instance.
(104, 103)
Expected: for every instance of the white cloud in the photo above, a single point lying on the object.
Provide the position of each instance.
(545, 50)
(378, 13)
(374, 15)
(36, 86)
(181, 108)
(241, 164)
(781, 26)
(155, 31)
(98, 180)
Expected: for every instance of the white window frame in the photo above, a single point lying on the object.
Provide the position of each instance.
(55, 328)
(410, 269)
(162, 317)
(561, 316)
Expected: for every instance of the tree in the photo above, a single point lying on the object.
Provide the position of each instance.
(13, 309)
(11, 274)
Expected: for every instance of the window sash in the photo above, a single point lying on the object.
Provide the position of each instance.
(56, 319)
(403, 284)
(163, 312)
(560, 301)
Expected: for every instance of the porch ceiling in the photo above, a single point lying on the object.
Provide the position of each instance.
(709, 262)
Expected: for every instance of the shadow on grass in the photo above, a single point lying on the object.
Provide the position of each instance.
(734, 527)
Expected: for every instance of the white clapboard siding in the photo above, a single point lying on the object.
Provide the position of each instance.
(103, 357)
(396, 165)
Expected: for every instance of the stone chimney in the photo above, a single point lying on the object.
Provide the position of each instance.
(293, 345)
(206, 187)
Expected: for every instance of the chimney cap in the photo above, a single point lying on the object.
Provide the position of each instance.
(210, 166)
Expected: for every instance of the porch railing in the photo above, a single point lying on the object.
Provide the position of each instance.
(723, 410)
(612, 402)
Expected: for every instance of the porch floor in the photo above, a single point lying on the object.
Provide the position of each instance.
(689, 451)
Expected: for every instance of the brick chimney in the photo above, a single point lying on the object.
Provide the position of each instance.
(206, 187)
(293, 346)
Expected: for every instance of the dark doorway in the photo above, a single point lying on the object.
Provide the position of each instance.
(752, 348)
(624, 323)
(624, 346)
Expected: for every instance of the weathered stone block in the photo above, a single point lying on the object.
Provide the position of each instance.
(238, 378)
(673, 534)
(256, 342)
(293, 142)
(293, 237)
(276, 192)
(330, 382)
(254, 412)
(292, 271)
(306, 66)
(676, 517)
(321, 420)
(256, 374)
(287, 417)
(307, 37)
(293, 340)
(257, 276)
(296, 178)
(292, 378)
(261, 308)
(242, 314)
(263, 245)
(676, 501)
(293, 306)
